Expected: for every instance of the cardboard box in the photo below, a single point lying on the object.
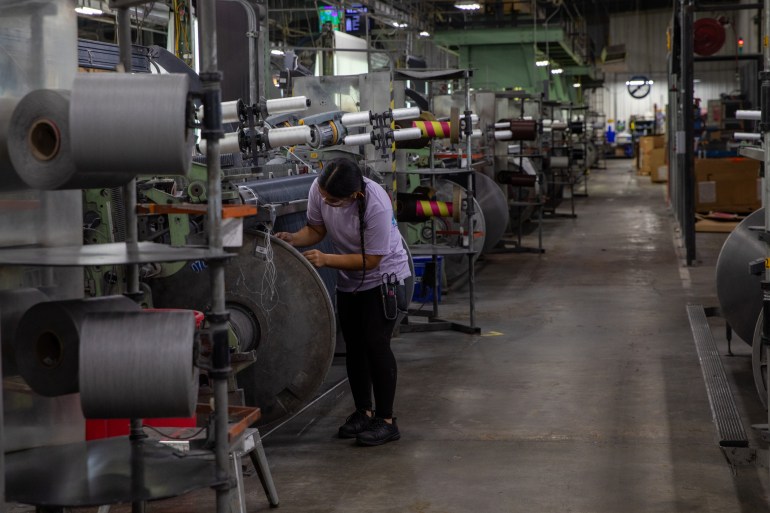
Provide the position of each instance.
(660, 174)
(651, 142)
(650, 161)
(727, 185)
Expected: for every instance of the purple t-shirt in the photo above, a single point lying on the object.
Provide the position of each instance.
(381, 236)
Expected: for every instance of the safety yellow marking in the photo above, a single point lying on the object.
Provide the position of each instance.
(767, 40)
(767, 263)
(491, 334)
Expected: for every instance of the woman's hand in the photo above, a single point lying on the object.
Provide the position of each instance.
(315, 257)
(285, 236)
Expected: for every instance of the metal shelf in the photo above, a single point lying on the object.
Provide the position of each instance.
(433, 171)
(103, 472)
(106, 254)
(430, 249)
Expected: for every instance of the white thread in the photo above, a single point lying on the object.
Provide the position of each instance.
(280, 105)
(288, 136)
(351, 119)
(407, 134)
(407, 113)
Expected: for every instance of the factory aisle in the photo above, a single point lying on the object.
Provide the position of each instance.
(583, 394)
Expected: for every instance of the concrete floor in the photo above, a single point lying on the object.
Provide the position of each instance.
(582, 394)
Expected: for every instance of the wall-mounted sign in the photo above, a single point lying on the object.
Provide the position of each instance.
(639, 86)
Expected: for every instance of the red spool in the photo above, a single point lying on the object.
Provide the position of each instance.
(709, 36)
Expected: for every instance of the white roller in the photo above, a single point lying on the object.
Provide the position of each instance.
(358, 139)
(503, 124)
(503, 135)
(559, 162)
(474, 135)
(746, 136)
(352, 119)
(280, 105)
(474, 120)
(289, 136)
(406, 113)
(407, 134)
(558, 125)
(228, 144)
(230, 112)
(753, 115)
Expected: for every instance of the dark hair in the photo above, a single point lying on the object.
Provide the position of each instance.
(342, 178)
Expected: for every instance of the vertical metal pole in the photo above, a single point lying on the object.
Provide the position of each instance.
(765, 127)
(129, 200)
(471, 195)
(212, 132)
(688, 171)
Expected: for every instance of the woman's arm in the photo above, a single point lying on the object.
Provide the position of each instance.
(307, 236)
(350, 262)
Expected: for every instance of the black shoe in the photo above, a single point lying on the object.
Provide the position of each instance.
(379, 432)
(356, 423)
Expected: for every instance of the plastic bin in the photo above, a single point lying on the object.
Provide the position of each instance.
(424, 278)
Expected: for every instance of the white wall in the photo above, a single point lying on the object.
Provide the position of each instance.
(644, 34)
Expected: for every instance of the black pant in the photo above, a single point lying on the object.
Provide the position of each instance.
(369, 359)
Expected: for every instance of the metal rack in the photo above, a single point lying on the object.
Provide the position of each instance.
(136, 469)
(434, 322)
(539, 201)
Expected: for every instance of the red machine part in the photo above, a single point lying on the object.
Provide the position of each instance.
(709, 36)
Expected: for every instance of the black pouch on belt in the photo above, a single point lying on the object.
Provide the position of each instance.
(389, 290)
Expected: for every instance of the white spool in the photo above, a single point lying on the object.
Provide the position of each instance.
(357, 139)
(281, 105)
(474, 120)
(503, 135)
(351, 119)
(406, 113)
(228, 144)
(746, 136)
(753, 115)
(559, 162)
(129, 124)
(230, 112)
(558, 125)
(503, 125)
(290, 136)
(407, 134)
(138, 365)
(474, 135)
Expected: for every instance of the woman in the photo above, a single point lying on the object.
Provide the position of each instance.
(372, 265)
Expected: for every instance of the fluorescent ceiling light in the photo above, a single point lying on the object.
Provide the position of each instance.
(88, 10)
(276, 51)
(557, 71)
(576, 84)
(425, 33)
(542, 63)
(639, 82)
(468, 6)
(399, 25)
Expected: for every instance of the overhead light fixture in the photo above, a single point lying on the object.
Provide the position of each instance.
(425, 33)
(541, 64)
(576, 84)
(639, 82)
(276, 51)
(90, 11)
(557, 71)
(468, 5)
(89, 7)
(399, 25)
